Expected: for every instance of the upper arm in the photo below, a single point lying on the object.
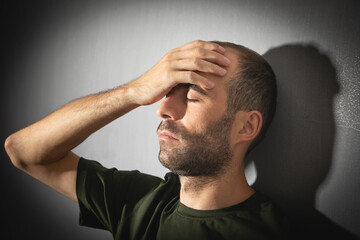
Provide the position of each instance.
(59, 175)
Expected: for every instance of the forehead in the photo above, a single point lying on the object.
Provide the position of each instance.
(233, 56)
(231, 69)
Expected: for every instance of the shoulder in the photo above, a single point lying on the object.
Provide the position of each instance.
(107, 196)
(91, 173)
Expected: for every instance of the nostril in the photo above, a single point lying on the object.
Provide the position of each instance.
(161, 112)
(165, 116)
(164, 110)
(166, 113)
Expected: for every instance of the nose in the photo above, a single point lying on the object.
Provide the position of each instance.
(171, 108)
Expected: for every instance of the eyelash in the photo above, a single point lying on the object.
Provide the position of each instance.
(191, 100)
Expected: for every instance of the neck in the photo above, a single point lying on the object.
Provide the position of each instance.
(209, 193)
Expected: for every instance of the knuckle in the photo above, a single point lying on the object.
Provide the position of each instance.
(168, 56)
(200, 52)
(165, 58)
(198, 41)
(190, 75)
(214, 46)
(196, 62)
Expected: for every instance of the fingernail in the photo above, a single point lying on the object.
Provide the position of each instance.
(221, 48)
(226, 60)
(222, 71)
(210, 84)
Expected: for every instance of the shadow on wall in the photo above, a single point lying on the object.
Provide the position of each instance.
(296, 154)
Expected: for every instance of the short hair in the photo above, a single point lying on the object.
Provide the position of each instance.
(252, 87)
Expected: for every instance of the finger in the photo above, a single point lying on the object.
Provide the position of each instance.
(203, 44)
(197, 64)
(194, 78)
(202, 53)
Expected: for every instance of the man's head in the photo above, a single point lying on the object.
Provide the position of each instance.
(202, 130)
(252, 87)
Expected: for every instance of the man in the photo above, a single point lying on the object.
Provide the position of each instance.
(220, 98)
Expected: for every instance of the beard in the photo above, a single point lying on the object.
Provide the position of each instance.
(205, 154)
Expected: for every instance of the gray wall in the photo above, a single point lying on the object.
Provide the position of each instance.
(55, 51)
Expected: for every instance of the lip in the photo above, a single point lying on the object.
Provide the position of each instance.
(164, 135)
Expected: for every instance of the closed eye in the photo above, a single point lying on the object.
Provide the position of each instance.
(192, 93)
(192, 96)
(191, 100)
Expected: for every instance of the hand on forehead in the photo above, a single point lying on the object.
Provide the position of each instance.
(231, 69)
(199, 63)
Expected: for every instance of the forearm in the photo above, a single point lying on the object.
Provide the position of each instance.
(51, 138)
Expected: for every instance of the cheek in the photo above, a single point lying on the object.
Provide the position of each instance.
(199, 115)
(195, 117)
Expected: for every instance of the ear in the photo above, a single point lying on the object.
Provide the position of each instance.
(249, 126)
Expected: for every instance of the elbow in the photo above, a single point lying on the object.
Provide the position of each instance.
(13, 152)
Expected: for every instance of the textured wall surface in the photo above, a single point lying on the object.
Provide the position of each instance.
(56, 51)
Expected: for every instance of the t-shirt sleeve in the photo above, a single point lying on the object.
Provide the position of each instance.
(104, 194)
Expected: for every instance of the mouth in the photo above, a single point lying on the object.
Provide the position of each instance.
(165, 135)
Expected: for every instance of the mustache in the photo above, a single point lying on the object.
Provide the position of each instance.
(179, 131)
(169, 126)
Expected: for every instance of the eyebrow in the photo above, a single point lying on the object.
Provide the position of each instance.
(196, 88)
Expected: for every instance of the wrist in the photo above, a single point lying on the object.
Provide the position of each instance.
(129, 95)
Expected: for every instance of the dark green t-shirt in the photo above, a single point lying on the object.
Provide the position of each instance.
(132, 205)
